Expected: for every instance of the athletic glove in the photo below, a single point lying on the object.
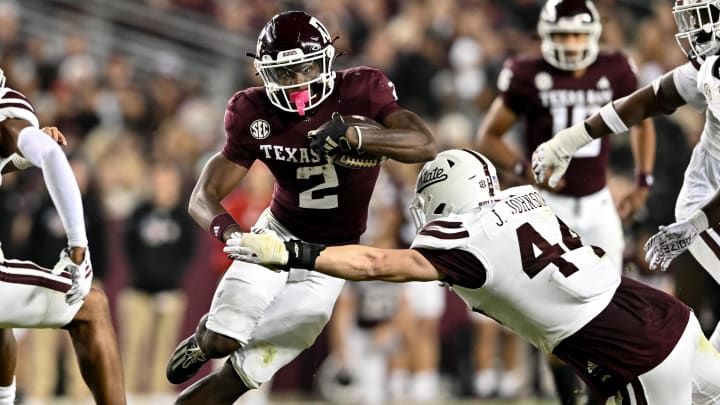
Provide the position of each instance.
(331, 139)
(672, 240)
(556, 153)
(267, 249)
(81, 276)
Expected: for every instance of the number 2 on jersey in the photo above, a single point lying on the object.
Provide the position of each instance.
(330, 180)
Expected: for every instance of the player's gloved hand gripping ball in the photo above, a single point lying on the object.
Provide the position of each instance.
(331, 140)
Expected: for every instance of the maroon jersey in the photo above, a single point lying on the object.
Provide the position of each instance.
(551, 99)
(315, 200)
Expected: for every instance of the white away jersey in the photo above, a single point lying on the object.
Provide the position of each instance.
(540, 280)
(700, 88)
(14, 105)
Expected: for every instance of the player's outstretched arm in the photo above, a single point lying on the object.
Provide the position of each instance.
(406, 138)
(550, 159)
(351, 262)
(44, 152)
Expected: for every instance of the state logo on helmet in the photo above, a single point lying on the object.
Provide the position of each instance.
(456, 180)
(294, 58)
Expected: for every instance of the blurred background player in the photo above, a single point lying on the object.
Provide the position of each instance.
(369, 327)
(160, 244)
(570, 80)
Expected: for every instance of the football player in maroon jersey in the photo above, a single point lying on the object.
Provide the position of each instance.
(570, 79)
(261, 319)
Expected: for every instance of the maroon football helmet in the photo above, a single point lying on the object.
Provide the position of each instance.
(294, 58)
(569, 16)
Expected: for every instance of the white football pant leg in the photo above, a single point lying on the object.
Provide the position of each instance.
(671, 381)
(291, 323)
(706, 374)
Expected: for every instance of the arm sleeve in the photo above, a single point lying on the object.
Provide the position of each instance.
(44, 153)
(458, 266)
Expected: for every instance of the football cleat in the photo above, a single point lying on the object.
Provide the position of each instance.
(186, 361)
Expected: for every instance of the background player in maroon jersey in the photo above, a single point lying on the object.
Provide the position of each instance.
(569, 81)
(262, 319)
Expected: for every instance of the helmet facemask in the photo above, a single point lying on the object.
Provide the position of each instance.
(565, 56)
(698, 25)
(291, 96)
(455, 181)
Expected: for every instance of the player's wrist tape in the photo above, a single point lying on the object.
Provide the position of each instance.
(302, 255)
(359, 135)
(569, 140)
(219, 224)
(611, 118)
(645, 180)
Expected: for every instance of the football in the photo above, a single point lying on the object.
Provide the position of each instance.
(358, 159)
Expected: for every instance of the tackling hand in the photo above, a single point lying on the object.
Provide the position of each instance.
(672, 240)
(266, 249)
(332, 139)
(81, 275)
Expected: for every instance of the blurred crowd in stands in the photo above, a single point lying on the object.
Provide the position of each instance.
(141, 121)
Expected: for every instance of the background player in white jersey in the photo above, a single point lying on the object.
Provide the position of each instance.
(568, 80)
(509, 256)
(264, 320)
(695, 83)
(62, 297)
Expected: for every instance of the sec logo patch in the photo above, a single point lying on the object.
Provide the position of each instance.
(260, 129)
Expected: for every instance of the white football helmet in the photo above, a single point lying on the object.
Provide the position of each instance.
(295, 43)
(569, 16)
(457, 180)
(698, 23)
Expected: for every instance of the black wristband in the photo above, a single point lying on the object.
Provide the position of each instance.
(302, 255)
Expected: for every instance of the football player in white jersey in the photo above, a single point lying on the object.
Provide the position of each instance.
(62, 297)
(695, 83)
(509, 256)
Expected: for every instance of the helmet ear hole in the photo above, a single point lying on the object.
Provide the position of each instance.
(439, 209)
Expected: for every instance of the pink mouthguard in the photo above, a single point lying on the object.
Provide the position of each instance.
(300, 98)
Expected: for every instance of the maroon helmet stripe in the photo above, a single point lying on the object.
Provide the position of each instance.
(29, 279)
(13, 94)
(486, 170)
(16, 105)
(444, 235)
(445, 224)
